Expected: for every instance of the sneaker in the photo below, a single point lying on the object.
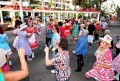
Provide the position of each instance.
(33, 56)
(52, 71)
(117, 77)
(29, 59)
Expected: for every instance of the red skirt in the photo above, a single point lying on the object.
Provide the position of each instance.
(67, 32)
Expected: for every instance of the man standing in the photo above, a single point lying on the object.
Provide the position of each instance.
(91, 29)
(104, 26)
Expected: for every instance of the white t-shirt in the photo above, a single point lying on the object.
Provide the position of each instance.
(104, 25)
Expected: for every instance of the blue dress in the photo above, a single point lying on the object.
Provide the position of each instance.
(23, 42)
(3, 43)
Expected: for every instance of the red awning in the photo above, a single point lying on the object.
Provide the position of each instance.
(14, 6)
(88, 10)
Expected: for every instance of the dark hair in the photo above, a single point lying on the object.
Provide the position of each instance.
(56, 28)
(63, 44)
(60, 23)
(76, 22)
(66, 20)
(1, 30)
(17, 22)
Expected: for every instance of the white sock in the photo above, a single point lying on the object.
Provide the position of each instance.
(117, 77)
(33, 56)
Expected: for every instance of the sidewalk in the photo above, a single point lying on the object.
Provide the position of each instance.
(114, 23)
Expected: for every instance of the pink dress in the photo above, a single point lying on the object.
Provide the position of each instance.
(100, 73)
(116, 64)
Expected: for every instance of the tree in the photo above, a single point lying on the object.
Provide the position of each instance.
(118, 13)
(50, 3)
(89, 3)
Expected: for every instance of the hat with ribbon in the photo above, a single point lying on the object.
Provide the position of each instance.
(3, 60)
(107, 39)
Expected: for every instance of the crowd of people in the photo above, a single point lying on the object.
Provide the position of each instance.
(84, 33)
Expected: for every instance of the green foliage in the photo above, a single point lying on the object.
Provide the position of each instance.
(118, 9)
(90, 3)
(103, 13)
(79, 15)
(5, 13)
(85, 18)
(50, 3)
(16, 15)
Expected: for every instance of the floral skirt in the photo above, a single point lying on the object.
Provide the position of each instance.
(100, 74)
(116, 64)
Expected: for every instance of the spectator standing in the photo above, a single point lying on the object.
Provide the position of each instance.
(55, 39)
(91, 29)
(48, 33)
(104, 26)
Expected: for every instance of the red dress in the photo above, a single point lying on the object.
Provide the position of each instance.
(33, 41)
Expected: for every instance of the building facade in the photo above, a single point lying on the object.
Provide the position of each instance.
(9, 2)
(55, 4)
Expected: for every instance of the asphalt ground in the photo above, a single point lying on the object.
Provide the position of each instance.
(39, 72)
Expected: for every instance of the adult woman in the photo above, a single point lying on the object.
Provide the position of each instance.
(75, 31)
(61, 60)
(61, 30)
(14, 75)
(33, 41)
(102, 68)
(55, 38)
(17, 25)
(81, 49)
(23, 42)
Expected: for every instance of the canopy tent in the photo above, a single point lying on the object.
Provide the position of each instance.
(12, 9)
(83, 10)
(89, 11)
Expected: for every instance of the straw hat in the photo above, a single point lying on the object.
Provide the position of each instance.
(107, 39)
(22, 26)
(3, 60)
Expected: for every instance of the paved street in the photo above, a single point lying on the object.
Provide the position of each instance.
(39, 72)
